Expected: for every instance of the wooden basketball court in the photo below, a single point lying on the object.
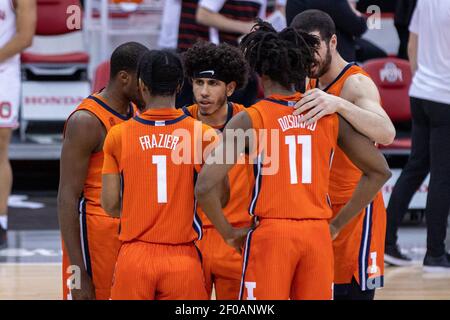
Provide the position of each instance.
(43, 281)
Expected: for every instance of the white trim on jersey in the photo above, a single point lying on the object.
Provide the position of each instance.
(366, 244)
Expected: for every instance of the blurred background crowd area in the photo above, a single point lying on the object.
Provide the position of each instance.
(68, 60)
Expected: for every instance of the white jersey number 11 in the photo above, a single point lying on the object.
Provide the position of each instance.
(305, 141)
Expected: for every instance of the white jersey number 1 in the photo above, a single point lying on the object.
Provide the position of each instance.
(161, 184)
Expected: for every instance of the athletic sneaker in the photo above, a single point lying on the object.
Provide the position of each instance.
(3, 238)
(437, 264)
(393, 256)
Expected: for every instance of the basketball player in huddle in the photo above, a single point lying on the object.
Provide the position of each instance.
(90, 236)
(337, 86)
(151, 164)
(289, 255)
(216, 72)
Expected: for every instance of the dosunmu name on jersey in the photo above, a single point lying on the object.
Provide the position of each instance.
(292, 122)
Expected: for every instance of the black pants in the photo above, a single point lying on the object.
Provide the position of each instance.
(430, 153)
(352, 291)
(403, 35)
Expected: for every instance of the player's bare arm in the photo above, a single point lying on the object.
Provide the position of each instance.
(84, 135)
(219, 21)
(111, 194)
(25, 28)
(362, 152)
(212, 175)
(359, 104)
(111, 181)
(412, 51)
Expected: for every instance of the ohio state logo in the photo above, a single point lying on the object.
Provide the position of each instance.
(391, 73)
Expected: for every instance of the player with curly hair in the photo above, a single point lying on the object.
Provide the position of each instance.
(289, 255)
(216, 71)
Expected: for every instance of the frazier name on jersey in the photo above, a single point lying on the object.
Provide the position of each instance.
(165, 141)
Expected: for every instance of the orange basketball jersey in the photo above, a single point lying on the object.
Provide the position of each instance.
(344, 174)
(293, 165)
(359, 247)
(158, 154)
(98, 230)
(240, 177)
(232, 110)
(93, 184)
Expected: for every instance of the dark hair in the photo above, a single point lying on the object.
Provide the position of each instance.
(126, 58)
(286, 57)
(161, 71)
(227, 61)
(315, 20)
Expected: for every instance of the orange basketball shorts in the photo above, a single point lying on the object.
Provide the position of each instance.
(100, 245)
(359, 247)
(148, 271)
(222, 265)
(288, 259)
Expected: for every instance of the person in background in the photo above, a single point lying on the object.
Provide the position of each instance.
(193, 22)
(274, 5)
(228, 20)
(180, 30)
(429, 54)
(203, 19)
(365, 50)
(170, 21)
(17, 28)
(350, 26)
(385, 6)
(403, 15)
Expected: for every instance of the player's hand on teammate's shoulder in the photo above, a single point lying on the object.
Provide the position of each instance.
(237, 238)
(316, 104)
(86, 290)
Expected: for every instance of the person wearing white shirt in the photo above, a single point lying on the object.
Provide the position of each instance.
(429, 54)
(168, 37)
(17, 28)
(229, 19)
